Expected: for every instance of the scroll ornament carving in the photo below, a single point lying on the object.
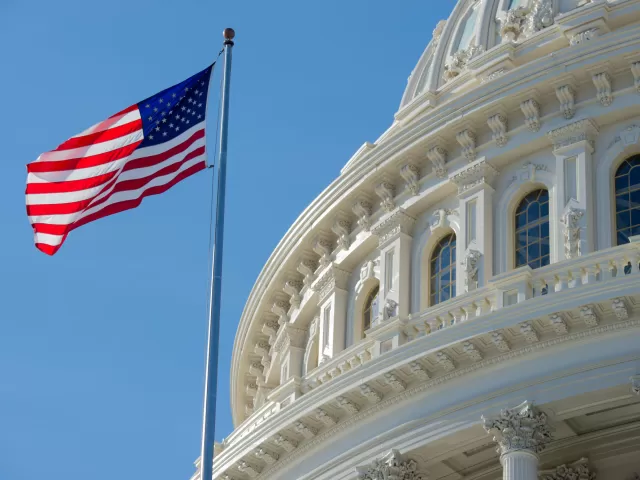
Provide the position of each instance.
(575, 471)
(362, 209)
(519, 428)
(635, 384)
(393, 467)
(566, 97)
(602, 82)
(307, 267)
(471, 265)
(467, 140)
(531, 110)
(572, 232)
(292, 288)
(342, 227)
(457, 63)
(498, 125)
(411, 175)
(323, 247)
(386, 191)
(438, 157)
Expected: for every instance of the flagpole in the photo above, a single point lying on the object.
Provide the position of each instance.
(211, 372)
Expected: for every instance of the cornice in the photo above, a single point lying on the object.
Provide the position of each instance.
(418, 348)
(388, 402)
(387, 151)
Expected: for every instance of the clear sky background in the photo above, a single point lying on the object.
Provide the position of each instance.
(102, 346)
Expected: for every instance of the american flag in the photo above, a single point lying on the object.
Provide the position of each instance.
(143, 150)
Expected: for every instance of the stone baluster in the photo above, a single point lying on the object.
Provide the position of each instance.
(521, 434)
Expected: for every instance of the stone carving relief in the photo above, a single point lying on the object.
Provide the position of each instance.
(572, 232)
(370, 269)
(474, 174)
(513, 23)
(470, 263)
(519, 428)
(391, 467)
(584, 36)
(635, 70)
(411, 175)
(342, 227)
(438, 157)
(390, 309)
(362, 208)
(541, 16)
(458, 62)
(531, 110)
(575, 471)
(522, 22)
(439, 217)
(635, 384)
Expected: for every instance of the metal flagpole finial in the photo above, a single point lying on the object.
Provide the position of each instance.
(228, 34)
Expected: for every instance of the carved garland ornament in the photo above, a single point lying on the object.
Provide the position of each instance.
(391, 467)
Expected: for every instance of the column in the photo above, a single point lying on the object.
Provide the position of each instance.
(574, 209)
(331, 288)
(394, 244)
(521, 433)
(475, 245)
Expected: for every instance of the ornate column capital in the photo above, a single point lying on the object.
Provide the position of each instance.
(393, 225)
(578, 470)
(391, 467)
(584, 130)
(519, 428)
(474, 174)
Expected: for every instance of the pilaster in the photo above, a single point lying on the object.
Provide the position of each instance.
(475, 245)
(394, 243)
(573, 146)
(331, 287)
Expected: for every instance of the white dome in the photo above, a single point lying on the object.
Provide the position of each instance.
(483, 252)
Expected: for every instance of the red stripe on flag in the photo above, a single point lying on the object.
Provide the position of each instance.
(115, 208)
(101, 136)
(83, 162)
(161, 157)
(134, 184)
(69, 185)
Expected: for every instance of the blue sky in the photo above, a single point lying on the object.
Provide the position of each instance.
(102, 346)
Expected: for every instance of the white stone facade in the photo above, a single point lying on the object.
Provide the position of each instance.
(524, 372)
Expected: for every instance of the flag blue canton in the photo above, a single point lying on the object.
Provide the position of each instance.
(175, 110)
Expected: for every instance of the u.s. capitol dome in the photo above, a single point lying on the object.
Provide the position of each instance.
(463, 300)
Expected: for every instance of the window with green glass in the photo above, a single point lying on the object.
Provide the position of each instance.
(443, 270)
(532, 230)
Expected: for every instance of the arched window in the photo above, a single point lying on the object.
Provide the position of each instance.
(532, 230)
(627, 186)
(443, 270)
(468, 30)
(370, 309)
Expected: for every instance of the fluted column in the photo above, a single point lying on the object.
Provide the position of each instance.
(521, 434)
